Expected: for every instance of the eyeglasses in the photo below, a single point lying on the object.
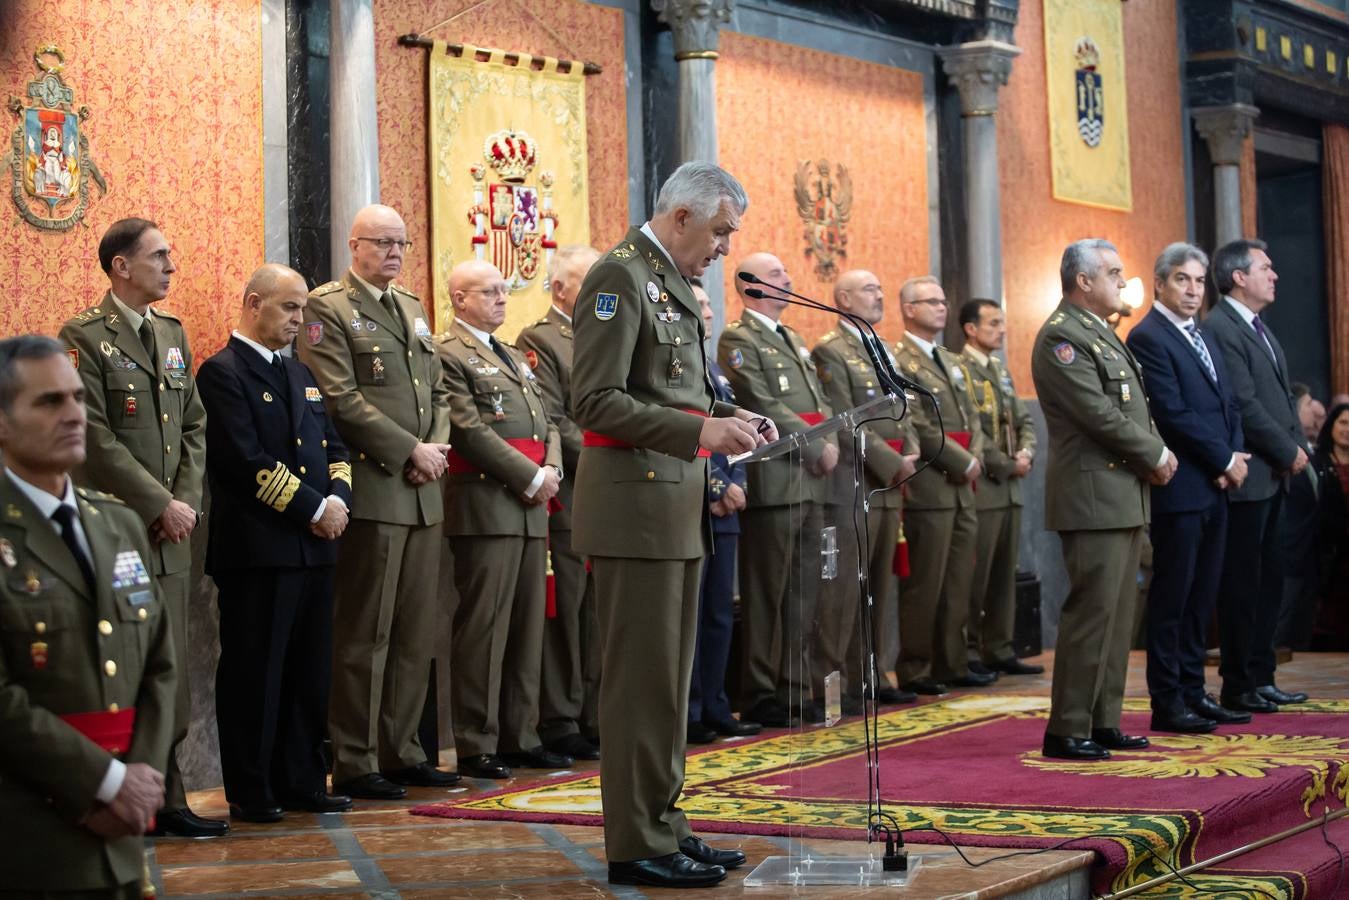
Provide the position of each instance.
(930, 301)
(499, 291)
(387, 244)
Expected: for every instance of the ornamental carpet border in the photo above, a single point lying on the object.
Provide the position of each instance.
(970, 766)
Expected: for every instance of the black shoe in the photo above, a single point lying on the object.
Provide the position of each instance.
(1182, 721)
(370, 787)
(701, 734)
(316, 802)
(972, 678)
(1056, 747)
(423, 774)
(484, 765)
(770, 714)
(1207, 706)
(538, 758)
(888, 696)
(673, 870)
(733, 728)
(574, 745)
(1114, 739)
(925, 685)
(1250, 701)
(185, 823)
(697, 850)
(256, 812)
(810, 712)
(1015, 666)
(1283, 698)
(852, 706)
(978, 668)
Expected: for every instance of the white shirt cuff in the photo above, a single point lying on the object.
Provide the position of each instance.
(973, 463)
(318, 513)
(536, 483)
(112, 781)
(1161, 461)
(1231, 463)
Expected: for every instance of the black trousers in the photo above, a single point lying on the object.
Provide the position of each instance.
(1187, 561)
(272, 681)
(708, 701)
(1251, 593)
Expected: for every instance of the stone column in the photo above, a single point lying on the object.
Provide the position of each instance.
(977, 70)
(354, 146)
(696, 26)
(1224, 129)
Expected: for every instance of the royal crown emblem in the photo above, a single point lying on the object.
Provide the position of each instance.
(824, 202)
(1090, 95)
(49, 153)
(513, 221)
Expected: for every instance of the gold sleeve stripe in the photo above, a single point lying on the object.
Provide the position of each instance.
(278, 487)
(340, 471)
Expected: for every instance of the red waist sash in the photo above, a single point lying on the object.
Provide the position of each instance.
(896, 445)
(811, 418)
(534, 450)
(109, 730)
(960, 437)
(595, 439)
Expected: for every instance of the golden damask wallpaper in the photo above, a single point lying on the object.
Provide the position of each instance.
(586, 32)
(779, 106)
(175, 91)
(1035, 226)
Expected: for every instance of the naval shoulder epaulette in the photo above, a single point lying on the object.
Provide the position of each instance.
(331, 287)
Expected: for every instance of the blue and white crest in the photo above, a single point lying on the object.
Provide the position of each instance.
(1090, 95)
(606, 306)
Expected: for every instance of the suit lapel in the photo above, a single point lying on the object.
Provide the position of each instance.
(41, 539)
(507, 365)
(1187, 347)
(673, 282)
(370, 307)
(126, 339)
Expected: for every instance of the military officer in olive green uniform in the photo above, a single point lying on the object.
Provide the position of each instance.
(939, 517)
(504, 471)
(369, 346)
(147, 441)
(772, 374)
(86, 658)
(569, 686)
(641, 392)
(1103, 452)
(1009, 447)
(891, 448)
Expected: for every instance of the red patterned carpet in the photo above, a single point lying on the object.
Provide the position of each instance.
(970, 766)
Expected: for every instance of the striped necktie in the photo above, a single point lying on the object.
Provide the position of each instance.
(1202, 349)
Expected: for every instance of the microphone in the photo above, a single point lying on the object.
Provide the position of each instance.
(890, 378)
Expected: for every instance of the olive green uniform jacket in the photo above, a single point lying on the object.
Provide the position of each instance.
(1007, 428)
(63, 652)
(547, 345)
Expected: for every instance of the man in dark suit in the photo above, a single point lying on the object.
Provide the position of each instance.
(1197, 416)
(709, 706)
(1252, 581)
(280, 489)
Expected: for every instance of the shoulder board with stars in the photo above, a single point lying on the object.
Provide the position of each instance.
(398, 288)
(165, 314)
(89, 494)
(624, 250)
(1056, 319)
(92, 314)
(828, 336)
(732, 326)
(331, 287)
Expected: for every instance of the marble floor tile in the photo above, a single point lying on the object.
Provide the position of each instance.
(464, 836)
(237, 848)
(264, 877)
(508, 865)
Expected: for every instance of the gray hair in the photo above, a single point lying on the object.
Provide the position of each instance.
(563, 256)
(907, 288)
(700, 187)
(25, 346)
(1082, 258)
(1234, 256)
(1173, 256)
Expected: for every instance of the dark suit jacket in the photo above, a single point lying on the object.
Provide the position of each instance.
(1268, 414)
(270, 460)
(721, 473)
(1198, 418)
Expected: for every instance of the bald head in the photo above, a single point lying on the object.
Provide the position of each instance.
(478, 291)
(566, 271)
(273, 306)
(771, 273)
(378, 243)
(859, 292)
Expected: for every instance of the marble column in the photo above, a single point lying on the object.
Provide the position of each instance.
(977, 70)
(354, 147)
(696, 26)
(1224, 129)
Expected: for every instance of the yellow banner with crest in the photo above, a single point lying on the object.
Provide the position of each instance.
(508, 172)
(1088, 109)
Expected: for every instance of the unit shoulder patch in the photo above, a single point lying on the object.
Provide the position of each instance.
(606, 306)
(1065, 353)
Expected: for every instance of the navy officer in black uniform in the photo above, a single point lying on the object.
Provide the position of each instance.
(280, 485)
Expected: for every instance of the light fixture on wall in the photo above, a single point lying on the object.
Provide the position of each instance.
(1132, 295)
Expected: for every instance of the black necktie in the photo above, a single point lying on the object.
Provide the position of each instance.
(65, 518)
(500, 352)
(280, 366)
(936, 357)
(782, 333)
